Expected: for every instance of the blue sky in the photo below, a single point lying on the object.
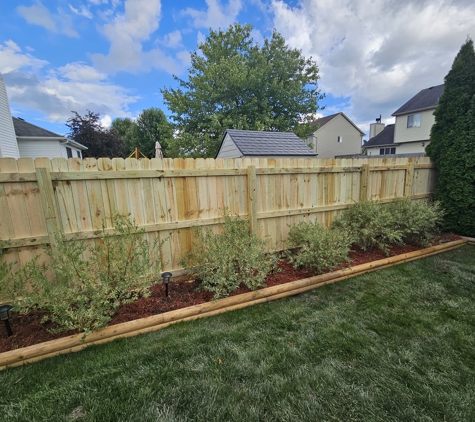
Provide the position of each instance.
(113, 56)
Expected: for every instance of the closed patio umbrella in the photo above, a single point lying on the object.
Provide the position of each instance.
(158, 150)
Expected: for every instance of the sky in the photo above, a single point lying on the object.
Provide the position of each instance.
(113, 56)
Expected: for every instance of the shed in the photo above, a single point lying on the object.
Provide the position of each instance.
(260, 144)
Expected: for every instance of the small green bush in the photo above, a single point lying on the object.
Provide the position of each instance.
(418, 221)
(370, 224)
(86, 293)
(317, 247)
(226, 260)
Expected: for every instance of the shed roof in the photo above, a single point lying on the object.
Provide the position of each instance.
(426, 99)
(260, 143)
(385, 137)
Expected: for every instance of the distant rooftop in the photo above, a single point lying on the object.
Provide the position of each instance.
(23, 128)
(426, 99)
(260, 143)
(385, 137)
(322, 121)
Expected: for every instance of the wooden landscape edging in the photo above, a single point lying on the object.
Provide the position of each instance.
(156, 322)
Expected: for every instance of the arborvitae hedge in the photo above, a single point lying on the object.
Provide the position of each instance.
(452, 145)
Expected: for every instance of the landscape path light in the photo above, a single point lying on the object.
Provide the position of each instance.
(5, 314)
(166, 279)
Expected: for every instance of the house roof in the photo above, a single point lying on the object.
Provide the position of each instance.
(23, 128)
(322, 121)
(259, 143)
(27, 130)
(426, 99)
(385, 137)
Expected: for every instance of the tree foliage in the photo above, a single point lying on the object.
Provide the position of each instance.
(233, 83)
(151, 126)
(452, 145)
(100, 141)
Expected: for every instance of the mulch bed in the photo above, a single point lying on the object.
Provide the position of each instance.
(28, 330)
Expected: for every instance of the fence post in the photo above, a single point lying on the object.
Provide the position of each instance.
(50, 208)
(252, 198)
(364, 182)
(409, 179)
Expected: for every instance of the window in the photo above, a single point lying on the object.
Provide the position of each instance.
(414, 120)
(69, 151)
(78, 153)
(340, 139)
(387, 151)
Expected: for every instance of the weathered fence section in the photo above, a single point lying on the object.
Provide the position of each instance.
(40, 199)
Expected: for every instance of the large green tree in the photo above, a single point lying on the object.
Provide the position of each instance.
(150, 126)
(452, 146)
(100, 141)
(233, 83)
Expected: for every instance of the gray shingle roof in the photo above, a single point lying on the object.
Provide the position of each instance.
(385, 137)
(322, 121)
(23, 128)
(259, 143)
(426, 99)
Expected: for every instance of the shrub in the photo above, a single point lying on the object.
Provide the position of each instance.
(370, 224)
(318, 248)
(226, 260)
(86, 293)
(418, 221)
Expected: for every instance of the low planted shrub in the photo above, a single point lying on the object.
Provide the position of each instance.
(229, 259)
(370, 224)
(317, 247)
(90, 282)
(374, 224)
(418, 221)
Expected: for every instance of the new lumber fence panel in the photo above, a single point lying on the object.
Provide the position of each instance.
(39, 199)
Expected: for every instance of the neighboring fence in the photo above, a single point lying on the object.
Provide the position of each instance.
(42, 198)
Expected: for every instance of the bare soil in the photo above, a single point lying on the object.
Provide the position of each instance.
(28, 330)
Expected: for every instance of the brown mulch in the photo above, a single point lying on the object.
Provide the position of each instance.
(28, 329)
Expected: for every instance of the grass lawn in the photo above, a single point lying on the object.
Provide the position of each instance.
(392, 345)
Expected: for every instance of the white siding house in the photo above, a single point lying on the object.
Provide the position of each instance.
(8, 141)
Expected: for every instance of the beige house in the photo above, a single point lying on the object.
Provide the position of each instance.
(335, 135)
(411, 132)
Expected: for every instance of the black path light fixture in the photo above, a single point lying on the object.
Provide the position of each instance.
(5, 314)
(166, 279)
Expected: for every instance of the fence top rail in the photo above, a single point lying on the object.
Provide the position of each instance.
(146, 173)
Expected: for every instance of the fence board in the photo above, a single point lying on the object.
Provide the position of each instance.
(167, 197)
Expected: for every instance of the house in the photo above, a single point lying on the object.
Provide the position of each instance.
(411, 131)
(259, 144)
(19, 138)
(335, 135)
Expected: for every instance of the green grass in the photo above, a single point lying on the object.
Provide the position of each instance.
(392, 345)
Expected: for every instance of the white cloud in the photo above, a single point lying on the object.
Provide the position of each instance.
(172, 40)
(378, 53)
(81, 72)
(126, 33)
(216, 16)
(106, 121)
(75, 86)
(39, 15)
(84, 11)
(12, 58)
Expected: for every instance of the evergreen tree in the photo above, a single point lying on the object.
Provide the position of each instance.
(452, 146)
(233, 83)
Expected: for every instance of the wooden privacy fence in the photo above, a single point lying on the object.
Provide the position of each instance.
(41, 198)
